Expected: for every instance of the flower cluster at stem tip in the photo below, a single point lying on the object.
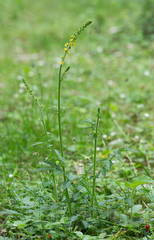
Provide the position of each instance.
(72, 41)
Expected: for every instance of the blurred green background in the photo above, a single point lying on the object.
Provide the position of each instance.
(111, 66)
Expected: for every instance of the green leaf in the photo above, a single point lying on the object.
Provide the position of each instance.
(72, 177)
(9, 212)
(85, 223)
(61, 159)
(108, 164)
(19, 224)
(54, 165)
(148, 174)
(67, 184)
(128, 149)
(74, 218)
(103, 170)
(79, 234)
(38, 143)
(136, 208)
(138, 181)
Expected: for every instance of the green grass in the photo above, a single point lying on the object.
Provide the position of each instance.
(111, 67)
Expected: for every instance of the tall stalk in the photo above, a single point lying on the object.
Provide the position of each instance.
(94, 164)
(61, 139)
(67, 49)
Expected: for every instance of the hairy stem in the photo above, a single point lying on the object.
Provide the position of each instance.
(61, 139)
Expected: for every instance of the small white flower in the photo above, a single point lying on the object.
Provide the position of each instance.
(56, 65)
(140, 106)
(122, 96)
(136, 137)
(19, 77)
(81, 168)
(16, 95)
(31, 74)
(87, 157)
(10, 175)
(35, 88)
(146, 73)
(130, 45)
(113, 114)
(117, 54)
(104, 136)
(41, 63)
(110, 82)
(21, 90)
(113, 134)
(58, 60)
(98, 148)
(22, 85)
(99, 49)
(147, 115)
(45, 84)
(114, 30)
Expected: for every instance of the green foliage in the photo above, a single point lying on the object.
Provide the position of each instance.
(147, 19)
(111, 66)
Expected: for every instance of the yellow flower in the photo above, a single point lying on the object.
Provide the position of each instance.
(65, 49)
(73, 43)
(66, 44)
(71, 40)
(68, 52)
(61, 63)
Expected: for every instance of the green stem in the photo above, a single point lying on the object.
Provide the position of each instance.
(61, 139)
(132, 206)
(94, 166)
(48, 142)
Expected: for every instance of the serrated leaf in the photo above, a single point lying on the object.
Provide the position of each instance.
(108, 164)
(61, 159)
(19, 224)
(128, 149)
(103, 170)
(73, 218)
(117, 154)
(67, 184)
(136, 208)
(85, 223)
(72, 177)
(7, 211)
(54, 165)
(138, 181)
(79, 234)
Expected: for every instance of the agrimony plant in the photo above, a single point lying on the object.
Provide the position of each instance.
(52, 151)
(67, 49)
